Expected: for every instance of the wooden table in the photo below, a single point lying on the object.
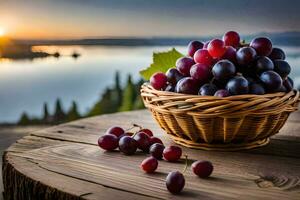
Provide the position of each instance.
(64, 162)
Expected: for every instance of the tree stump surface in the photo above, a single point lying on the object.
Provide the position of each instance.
(65, 162)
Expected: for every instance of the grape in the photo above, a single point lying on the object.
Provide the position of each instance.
(231, 38)
(128, 145)
(222, 93)
(282, 68)
(262, 45)
(230, 54)
(184, 65)
(288, 84)
(216, 48)
(149, 165)
(156, 150)
(158, 80)
(245, 56)
(277, 53)
(170, 88)
(201, 72)
(263, 64)
(281, 89)
(202, 56)
(237, 85)
(108, 142)
(256, 88)
(203, 169)
(187, 85)
(208, 89)
(223, 70)
(147, 131)
(154, 140)
(173, 76)
(206, 44)
(115, 130)
(175, 182)
(143, 141)
(126, 134)
(271, 80)
(193, 47)
(172, 153)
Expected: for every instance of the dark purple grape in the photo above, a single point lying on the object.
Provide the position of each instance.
(193, 47)
(230, 54)
(156, 150)
(187, 85)
(245, 56)
(108, 142)
(231, 38)
(184, 65)
(262, 45)
(128, 145)
(170, 88)
(288, 84)
(201, 72)
(158, 80)
(154, 140)
(238, 85)
(143, 141)
(175, 182)
(271, 80)
(276, 54)
(173, 76)
(281, 89)
(256, 88)
(263, 64)
(208, 89)
(223, 70)
(282, 68)
(206, 44)
(222, 93)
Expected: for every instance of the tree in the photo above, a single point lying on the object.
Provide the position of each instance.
(73, 113)
(128, 96)
(59, 115)
(24, 120)
(46, 118)
(118, 89)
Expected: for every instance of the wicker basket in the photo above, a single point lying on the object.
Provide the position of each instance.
(213, 123)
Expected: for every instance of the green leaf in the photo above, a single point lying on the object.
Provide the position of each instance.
(162, 61)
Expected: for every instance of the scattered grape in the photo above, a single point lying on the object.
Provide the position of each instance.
(175, 182)
(149, 165)
(143, 141)
(203, 169)
(147, 131)
(156, 150)
(108, 142)
(172, 153)
(115, 130)
(128, 145)
(154, 140)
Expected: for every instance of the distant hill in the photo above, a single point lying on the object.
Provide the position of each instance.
(280, 38)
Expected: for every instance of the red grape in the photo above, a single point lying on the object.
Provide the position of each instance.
(147, 131)
(245, 56)
(237, 85)
(175, 182)
(206, 44)
(156, 150)
(262, 45)
(193, 47)
(143, 141)
(115, 130)
(277, 53)
(154, 140)
(202, 56)
(149, 165)
(230, 54)
(172, 153)
(108, 142)
(208, 89)
(201, 72)
(184, 65)
(128, 145)
(158, 80)
(187, 85)
(231, 38)
(271, 80)
(223, 70)
(216, 48)
(203, 169)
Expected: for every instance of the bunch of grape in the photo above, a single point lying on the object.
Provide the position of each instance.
(227, 67)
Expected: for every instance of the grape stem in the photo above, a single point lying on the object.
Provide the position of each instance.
(186, 164)
(135, 126)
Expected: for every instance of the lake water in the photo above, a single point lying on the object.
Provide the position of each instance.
(25, 85)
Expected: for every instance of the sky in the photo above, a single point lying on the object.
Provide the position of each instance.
(67, 19)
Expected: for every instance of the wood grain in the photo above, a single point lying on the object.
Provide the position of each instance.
(64, 162)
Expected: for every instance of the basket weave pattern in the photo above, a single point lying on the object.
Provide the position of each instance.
(208, 122)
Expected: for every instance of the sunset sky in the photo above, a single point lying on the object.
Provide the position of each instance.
(53, 19)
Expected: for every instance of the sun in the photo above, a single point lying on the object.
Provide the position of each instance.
(2, 31)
